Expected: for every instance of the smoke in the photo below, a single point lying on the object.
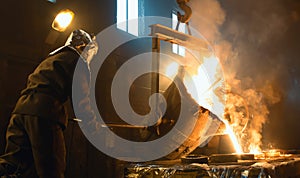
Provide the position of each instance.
(207, 20)
(251, 40)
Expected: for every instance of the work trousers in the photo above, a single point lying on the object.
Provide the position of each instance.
(35, 148)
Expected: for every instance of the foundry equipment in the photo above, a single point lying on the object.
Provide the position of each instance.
(187, 14)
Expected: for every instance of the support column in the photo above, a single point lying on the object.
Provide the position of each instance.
(155, 65)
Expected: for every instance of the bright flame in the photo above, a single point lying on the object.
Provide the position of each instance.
(201, 87)
(202, 83)
(62, 20)
(272, 153)
(254, 149)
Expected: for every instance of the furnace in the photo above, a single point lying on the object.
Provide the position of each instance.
(181, 163)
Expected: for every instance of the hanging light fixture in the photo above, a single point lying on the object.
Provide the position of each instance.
(62, 20)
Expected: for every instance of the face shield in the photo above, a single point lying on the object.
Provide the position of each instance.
(89, 51)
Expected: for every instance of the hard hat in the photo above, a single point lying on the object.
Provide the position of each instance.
(79, 38)
(82, 42)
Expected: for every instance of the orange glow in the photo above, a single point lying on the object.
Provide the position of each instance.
(62, 20)
(201, 86)
(201, 89)
(272, 153)
(235, 142)
(204, 94)
(254, 149)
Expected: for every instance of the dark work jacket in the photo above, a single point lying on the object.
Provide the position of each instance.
(50, 86)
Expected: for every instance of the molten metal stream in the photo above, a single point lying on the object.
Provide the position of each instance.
(235, 142)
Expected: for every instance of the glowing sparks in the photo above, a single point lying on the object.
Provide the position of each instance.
(272, 153)
(254, 149)
(201, 86)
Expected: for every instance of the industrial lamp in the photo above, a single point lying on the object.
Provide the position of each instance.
(62, 20)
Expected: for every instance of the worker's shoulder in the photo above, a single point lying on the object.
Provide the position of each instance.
(64, 56)
(65, 52)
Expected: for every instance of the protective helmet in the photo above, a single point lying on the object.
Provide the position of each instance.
(84, 43)
(81, 42)
(79, 38)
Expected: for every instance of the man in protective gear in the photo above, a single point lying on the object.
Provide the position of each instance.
(35, 144)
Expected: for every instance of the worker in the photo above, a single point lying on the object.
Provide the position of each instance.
(35, 144)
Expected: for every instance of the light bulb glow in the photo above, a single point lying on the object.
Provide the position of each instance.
(62, 20)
